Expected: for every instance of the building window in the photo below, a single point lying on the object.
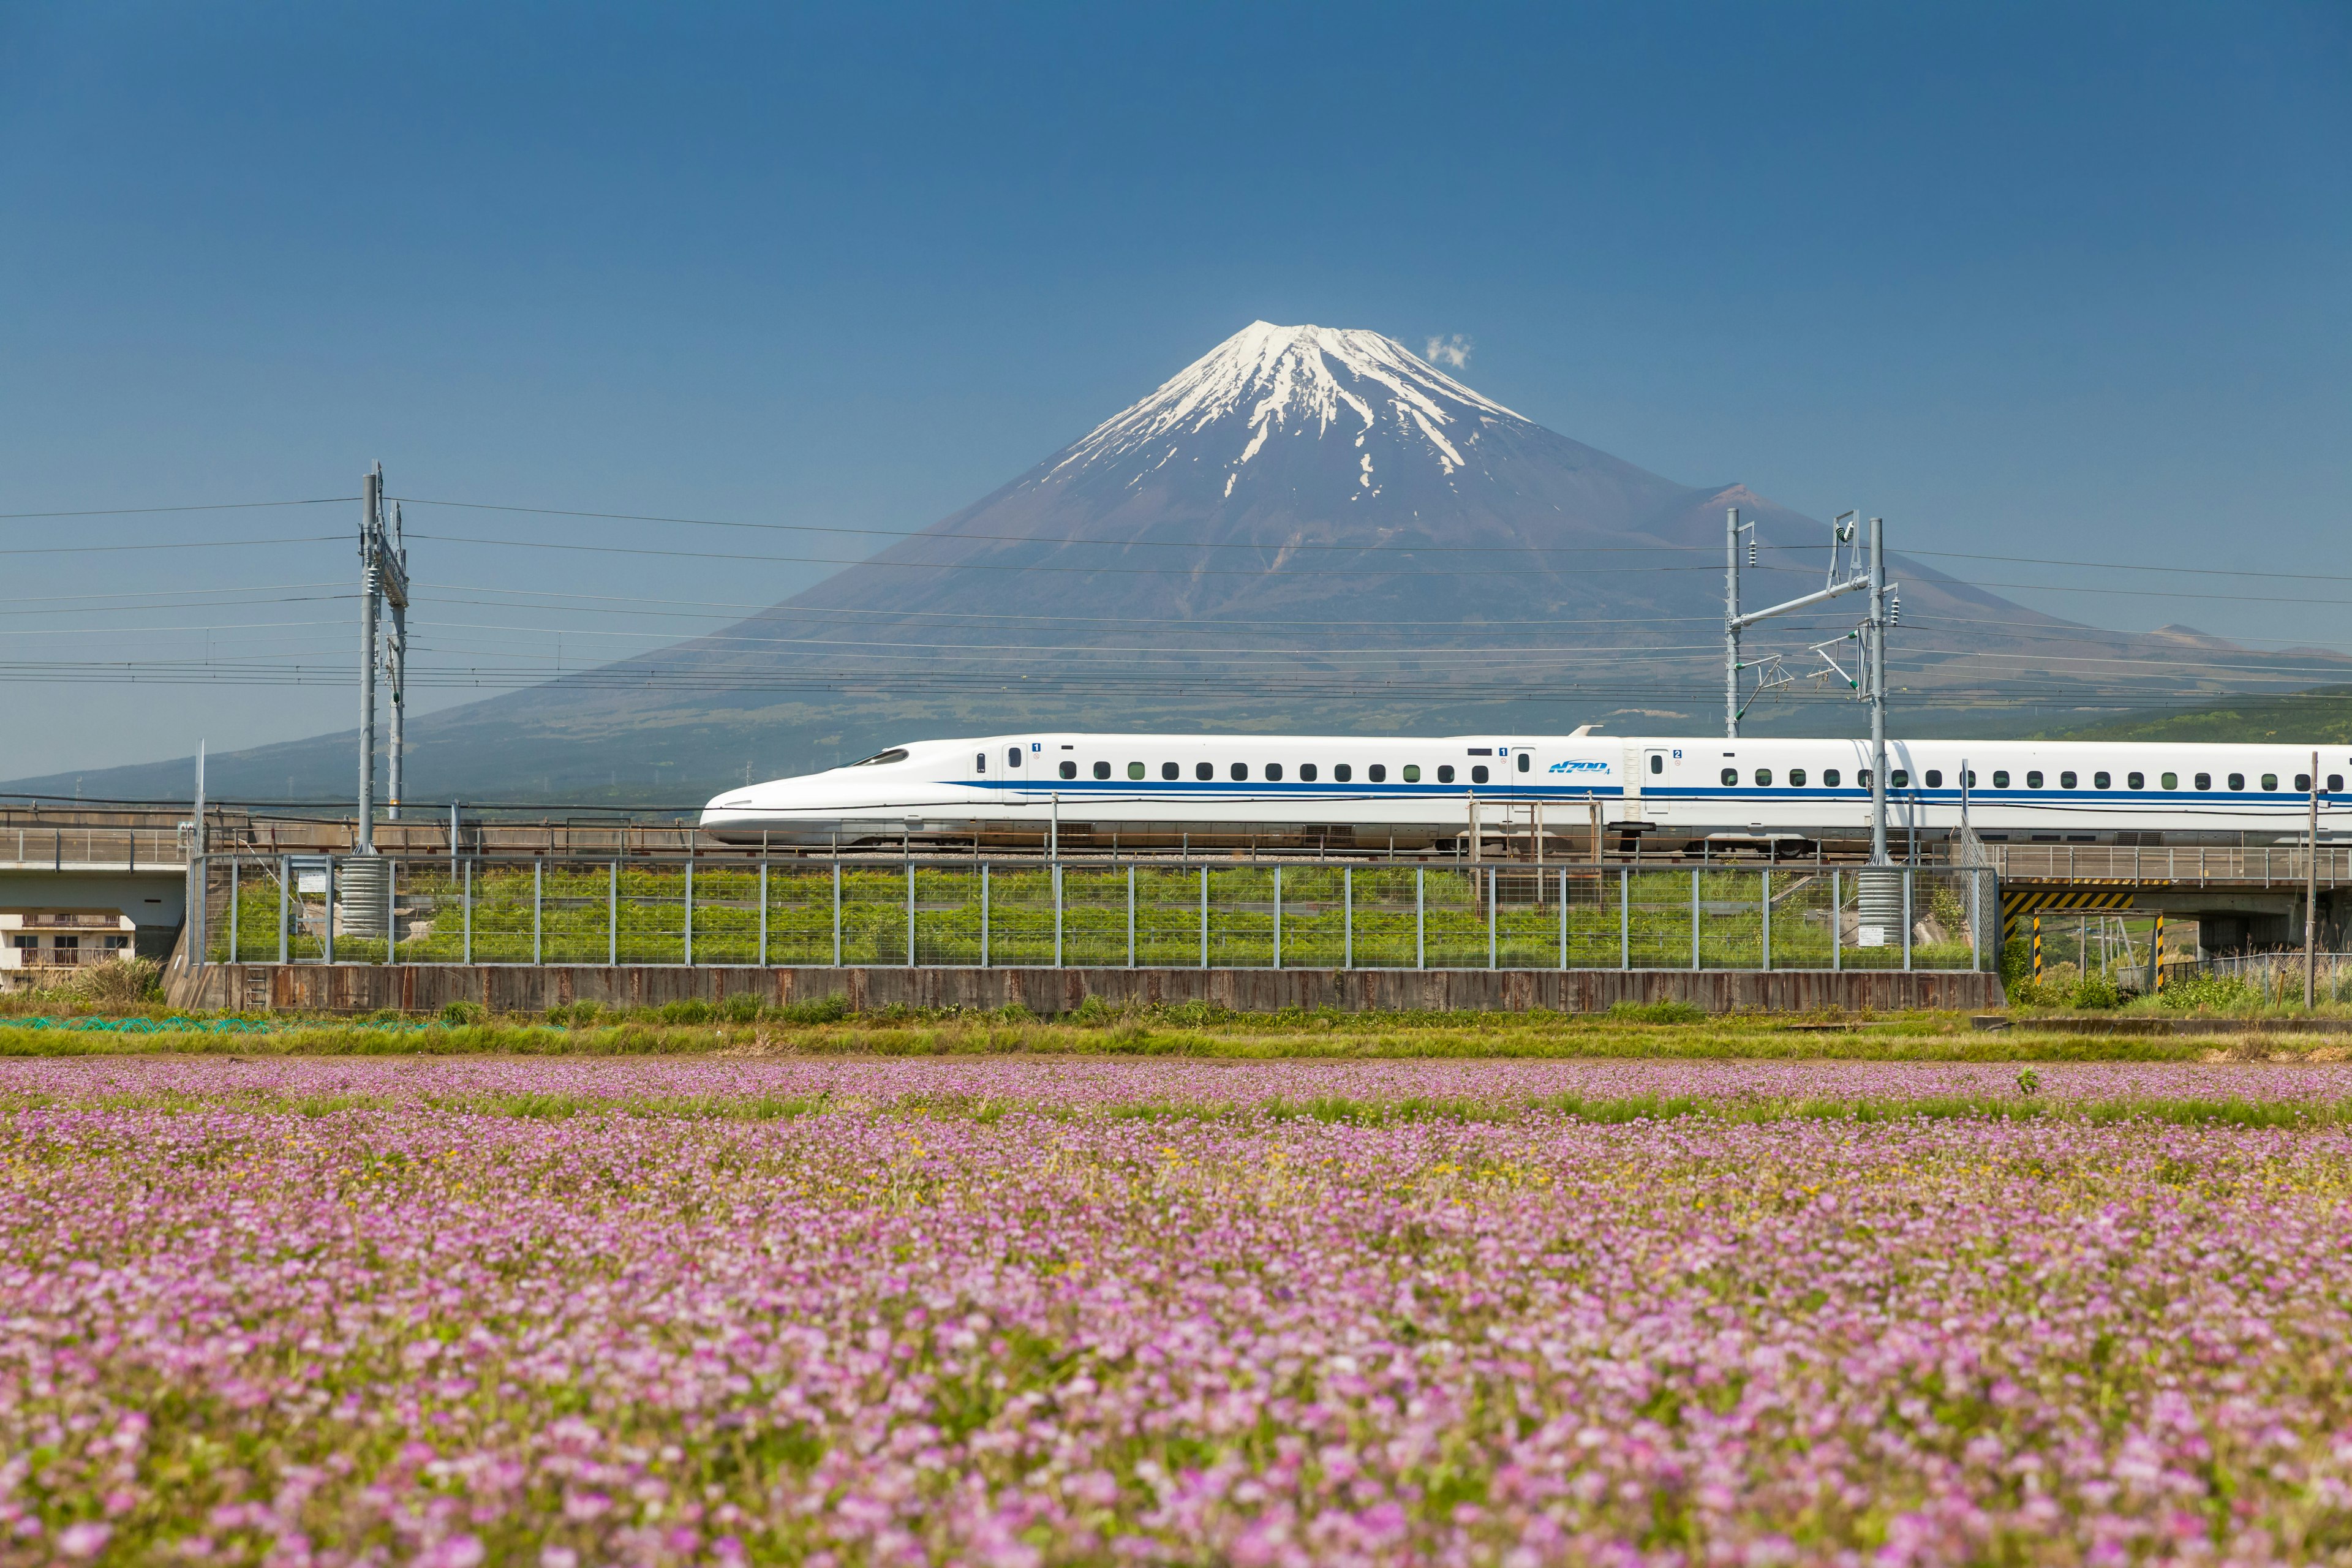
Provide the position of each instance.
(1342, 772)
(2270, 782)
(118, 942)
(2238, 781)
(1069, 769)
(1828, 778)
(1102, 770)
(1797, 778)
(2001, 778)
(2034, 779)
(19, 940)
(1657, 762)
(1898, 779)
(1730, 776)
(1478, 774)
(1412, 773)
(1306, 772)
(1763, 778)
(1135, 770)
(1527, 760)
(1934, 778)
(1204, 770)
(1241, 771)
(1012, 756)
(2170, 781)
(2066, 781)
(2204, 781)
(2102, 781)
(2135, 781)
(1170, 771)
(1446, 772)
(1274, 771)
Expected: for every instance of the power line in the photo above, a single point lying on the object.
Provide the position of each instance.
(175, 545)
(149, 510)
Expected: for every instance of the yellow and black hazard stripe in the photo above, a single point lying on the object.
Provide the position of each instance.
(2016, 901)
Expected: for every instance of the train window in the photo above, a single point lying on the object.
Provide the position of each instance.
(2335, 782)
(1862, 778)
(1069, 770)
(1898, 779)
(1306, 772)
(980, 764)
(2270, 782)
(2303, 784)
(1102, 770)
(1482, 751)
(1412, 773)
(2066, 781)
(2135, 781)
(1657, 763)
(1763, 778)
(2001, 778)
(1934, 778)
(1378, 772)
(1527, 760)
(2204, 781)
(1969, 779)
(1241, 770)
(1012, 756)
(2034, 779)
(1730, 775)
(1135, 770)
(1170, 770)
(2102, 781)
(1478, 774)
(1796, 777)
(2170, 781)
(1828, 778)
(1342, 772)
(2238, 781)
(1274, 771)
(1204, 770)
(1446, 772)
(883, 759)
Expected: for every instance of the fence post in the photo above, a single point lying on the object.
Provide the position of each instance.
(1347, 917)
(1767, 875)
(1976, 925)
(391, 910)
(1694, 917)
(1419, 916)
(1909, 874)
(612, 915)
(1837, 924)
(763, 912)
(537, 900)
(465, 904)
(689, 912)
(911, 914)
(232, 897)
(836, 911)
(327, 953)
(1624, 917)
(983, 915)
(1277, 917)
(285, 874)
(1563, 917)
(1057, 914)
(1130, 917)
(1205, 917)
(1493, 887)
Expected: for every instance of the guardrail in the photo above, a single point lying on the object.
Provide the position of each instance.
(863, 912)
(2282, 866)
(92, 850)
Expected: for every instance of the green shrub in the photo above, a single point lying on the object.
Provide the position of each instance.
(740, 1008)
(685, 1012)
(1658, 1012)
(458, 1013)
(2098, 992)
(815, 1010)
(2222, 992)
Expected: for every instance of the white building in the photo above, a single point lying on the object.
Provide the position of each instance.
(35, 944)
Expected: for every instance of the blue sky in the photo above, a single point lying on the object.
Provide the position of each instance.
(2044, 281)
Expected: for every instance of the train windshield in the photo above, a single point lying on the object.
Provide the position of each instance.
(898, 755)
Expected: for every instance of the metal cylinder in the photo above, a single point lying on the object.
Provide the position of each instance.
(361, 884)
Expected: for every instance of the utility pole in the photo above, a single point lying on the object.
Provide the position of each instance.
(371, 531)
(199, 879)
(1731, 624)
(2311, 900)
(396, 665)
(1877, 648)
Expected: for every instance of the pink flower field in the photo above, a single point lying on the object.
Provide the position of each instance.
(565, 1312)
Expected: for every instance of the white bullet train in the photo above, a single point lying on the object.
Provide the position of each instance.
(1672, 795)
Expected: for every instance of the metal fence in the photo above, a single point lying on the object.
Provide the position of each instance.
(1040, 914)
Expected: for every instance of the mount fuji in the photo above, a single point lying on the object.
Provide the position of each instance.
(1306, 528)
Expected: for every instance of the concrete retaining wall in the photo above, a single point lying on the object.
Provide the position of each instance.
(426, 988)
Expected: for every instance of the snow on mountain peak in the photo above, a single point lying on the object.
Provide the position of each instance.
(1266, 380)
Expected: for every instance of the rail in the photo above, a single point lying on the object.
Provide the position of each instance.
(1024, 913)
(2179, 865)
